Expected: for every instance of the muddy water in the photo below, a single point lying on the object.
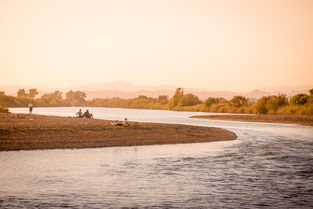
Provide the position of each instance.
(270, 166)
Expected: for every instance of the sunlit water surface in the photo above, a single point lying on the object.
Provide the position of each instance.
(269, 165)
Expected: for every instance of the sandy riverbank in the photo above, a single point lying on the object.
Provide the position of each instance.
(29, 132)
(289, 119)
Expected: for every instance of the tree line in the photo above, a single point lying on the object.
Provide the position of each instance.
(299, 104)
(54, 99)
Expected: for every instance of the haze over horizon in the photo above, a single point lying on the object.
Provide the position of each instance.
(123, 86)
(123, 89)
(214, 45)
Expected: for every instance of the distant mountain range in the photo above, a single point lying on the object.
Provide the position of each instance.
(125, 90)
(122, 86)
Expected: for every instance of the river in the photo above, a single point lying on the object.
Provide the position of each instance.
(268, 166)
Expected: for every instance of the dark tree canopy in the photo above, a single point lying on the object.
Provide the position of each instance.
(76, 98)
(239, 101)
(189, 100)
(299, 99)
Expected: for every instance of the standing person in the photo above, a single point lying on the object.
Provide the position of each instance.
(31, 106)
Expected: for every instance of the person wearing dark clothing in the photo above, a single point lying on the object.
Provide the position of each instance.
(80, 114)
(30, 106)
(87, 114)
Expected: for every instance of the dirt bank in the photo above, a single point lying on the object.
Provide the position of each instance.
(28, 132)
(290, 119)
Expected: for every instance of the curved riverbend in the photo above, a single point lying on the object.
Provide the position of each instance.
(268, 166)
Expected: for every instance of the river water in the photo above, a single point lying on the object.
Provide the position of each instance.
(268, 166)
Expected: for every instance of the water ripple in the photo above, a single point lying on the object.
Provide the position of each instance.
(269, 166)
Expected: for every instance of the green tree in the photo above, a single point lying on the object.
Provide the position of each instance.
(163, 99)
(76, 98)
(276, 102)
(311, 91)
(53, 99)
(261, 105)
(8, 101)
(270, 104)
(179, 93)
(239, 101)
(22, 93)
(189, 100)
(299, 99)
(32, 93)
(210, 101)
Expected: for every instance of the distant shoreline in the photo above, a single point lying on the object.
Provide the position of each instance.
(33, 132)
(285, 119)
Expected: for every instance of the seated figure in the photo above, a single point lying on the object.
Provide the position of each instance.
(80, 114)
(87, 114)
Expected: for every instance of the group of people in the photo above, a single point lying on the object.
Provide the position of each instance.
(86, 114)
(79, 114)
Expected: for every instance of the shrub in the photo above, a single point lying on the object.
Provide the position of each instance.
(299, 99)
(4, 109)
(296, 110)
(210, 101)
(275, 102)
(261, 105)
(270, 104)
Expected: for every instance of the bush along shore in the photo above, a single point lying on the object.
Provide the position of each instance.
(299, 104)
(30, 132)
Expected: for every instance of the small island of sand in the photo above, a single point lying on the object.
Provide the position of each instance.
(30, 132)
(288, 119)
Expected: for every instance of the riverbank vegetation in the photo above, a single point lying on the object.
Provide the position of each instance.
(299, 104)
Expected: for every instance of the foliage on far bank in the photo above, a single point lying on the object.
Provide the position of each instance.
(54, 99)
(299, 104)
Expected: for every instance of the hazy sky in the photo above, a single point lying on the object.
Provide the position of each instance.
(217, 45)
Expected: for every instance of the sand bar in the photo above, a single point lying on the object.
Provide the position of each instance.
(289, 119)
(30, 132)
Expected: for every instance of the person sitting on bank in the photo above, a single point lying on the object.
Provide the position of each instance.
(80, 114)
(87, 114)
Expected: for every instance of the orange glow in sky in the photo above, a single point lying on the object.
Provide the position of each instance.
(217, 45)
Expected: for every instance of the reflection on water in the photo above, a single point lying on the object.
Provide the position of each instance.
(270, 165)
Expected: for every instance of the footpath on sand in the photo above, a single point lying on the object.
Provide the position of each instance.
(30, 132)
